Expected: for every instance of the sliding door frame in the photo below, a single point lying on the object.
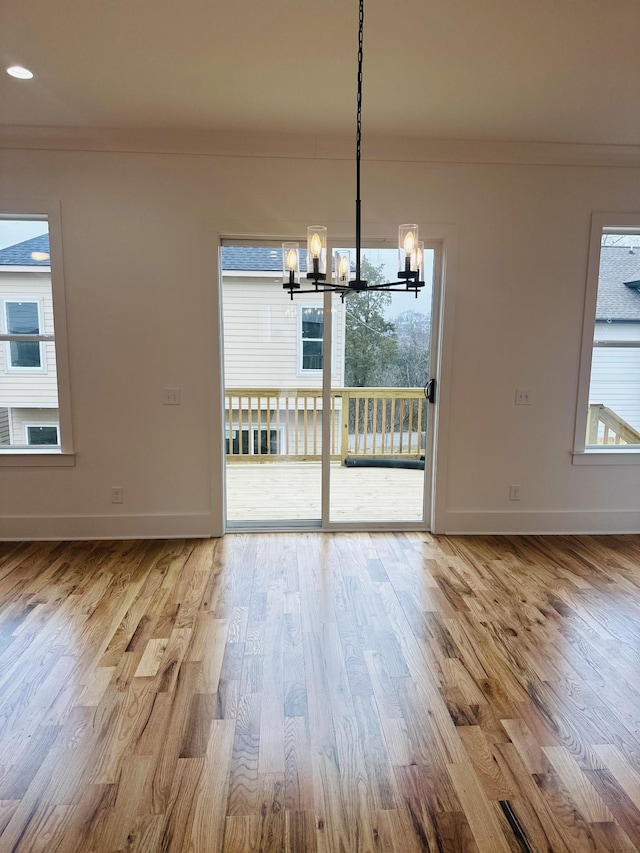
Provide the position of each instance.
(443, 239)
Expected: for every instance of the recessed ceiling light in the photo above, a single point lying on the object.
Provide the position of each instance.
(20, 72)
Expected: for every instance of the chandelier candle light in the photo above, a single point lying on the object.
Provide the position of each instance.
(410, 249)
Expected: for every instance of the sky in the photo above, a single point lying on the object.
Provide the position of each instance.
(14, 231)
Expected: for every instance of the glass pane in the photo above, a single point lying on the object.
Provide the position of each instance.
(312, 355)
(268, 441)
(377, 471)
(614, 391)
(22, 318)
(312, 321)
(273, 474)
(27, 368)
(43, 435)
(25, 353)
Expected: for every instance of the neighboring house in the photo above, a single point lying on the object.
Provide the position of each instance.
(28, 381)
(271, 341)
(273, 344)
(270, 344)
(615, 371)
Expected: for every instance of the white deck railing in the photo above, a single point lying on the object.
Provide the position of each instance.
(265, 424)
(604, 426)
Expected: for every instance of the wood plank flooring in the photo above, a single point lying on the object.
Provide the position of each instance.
(321, 693)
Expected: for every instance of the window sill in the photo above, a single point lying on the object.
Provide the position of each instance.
(16, 458)
(614, 456)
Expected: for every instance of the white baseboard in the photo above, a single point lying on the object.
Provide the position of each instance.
(55, 527)
(607, 521)
(201, 526)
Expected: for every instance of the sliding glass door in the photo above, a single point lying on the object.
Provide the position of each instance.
(379, 473)
(273, 358)
(374, 353)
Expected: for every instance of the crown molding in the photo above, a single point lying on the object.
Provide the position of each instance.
(314, 147)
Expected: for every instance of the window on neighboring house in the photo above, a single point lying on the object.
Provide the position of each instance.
(234, 446)
(34, 386)
(23, 319)
(609, 400)
(312, 337)
(41, 433)
(266, 442)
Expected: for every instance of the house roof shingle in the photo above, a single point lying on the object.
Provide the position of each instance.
(234, 258)
(21, 254)
(262, 258)
(617, 302)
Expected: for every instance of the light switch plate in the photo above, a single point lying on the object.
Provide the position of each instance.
(170, 396)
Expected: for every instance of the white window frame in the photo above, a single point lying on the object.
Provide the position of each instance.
(62, 454)
(308, 371)
(28, 426)
(302, 371)
(40, 337)
(584, 454)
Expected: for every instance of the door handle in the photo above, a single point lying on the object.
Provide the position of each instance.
(430, 390)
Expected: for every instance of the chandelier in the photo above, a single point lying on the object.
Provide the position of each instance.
(410, 249)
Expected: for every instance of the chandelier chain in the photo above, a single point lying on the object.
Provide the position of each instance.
(410, 250)
(358, 138)
(359, 100)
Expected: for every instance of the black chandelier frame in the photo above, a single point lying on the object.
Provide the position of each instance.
(408, 279)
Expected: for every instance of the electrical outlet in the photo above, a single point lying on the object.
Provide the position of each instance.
(116, 495)
(523, 398)
(514, 492)
(170, 396)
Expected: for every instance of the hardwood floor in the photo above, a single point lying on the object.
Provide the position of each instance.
(321, 692)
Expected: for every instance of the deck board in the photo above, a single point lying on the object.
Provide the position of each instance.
(285, 491)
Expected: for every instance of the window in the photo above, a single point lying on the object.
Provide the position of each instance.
(268, 440)
(265, 442)
(35, 416)
(42, 434)
(312, 337)
(234, 447)
(609, 399)
(23, 318)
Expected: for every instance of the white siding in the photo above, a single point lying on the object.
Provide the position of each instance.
(28, 389)
(261, 335)
(617, 332)
(615, 372)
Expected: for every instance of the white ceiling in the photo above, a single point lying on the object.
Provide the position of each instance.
(516, 70)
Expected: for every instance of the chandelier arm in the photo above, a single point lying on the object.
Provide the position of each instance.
(397, 285)
(330, 289)
(390, 285)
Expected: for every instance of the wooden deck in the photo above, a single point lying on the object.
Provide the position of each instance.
(312, 693)
(279, 491)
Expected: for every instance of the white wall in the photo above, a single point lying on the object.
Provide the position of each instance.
(139, 234)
